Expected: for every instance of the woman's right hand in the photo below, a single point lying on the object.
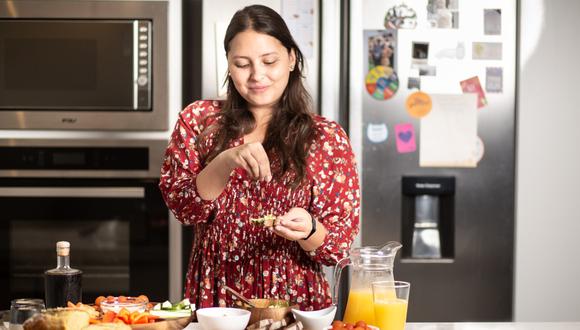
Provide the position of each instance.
(251, 157)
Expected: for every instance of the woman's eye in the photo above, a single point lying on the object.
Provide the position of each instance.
(241, 66)
(270, 62)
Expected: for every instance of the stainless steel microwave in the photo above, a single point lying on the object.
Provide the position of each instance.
(83, 65)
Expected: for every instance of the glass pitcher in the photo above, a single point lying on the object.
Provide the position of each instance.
(368, 264)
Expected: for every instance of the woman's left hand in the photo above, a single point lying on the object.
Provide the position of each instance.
(296, 224)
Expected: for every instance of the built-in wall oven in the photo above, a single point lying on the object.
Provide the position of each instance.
(94, 64)
(100, 196)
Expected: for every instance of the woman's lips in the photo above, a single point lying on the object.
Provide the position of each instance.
(257, 89)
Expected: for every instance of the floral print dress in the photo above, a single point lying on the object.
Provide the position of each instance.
(228, 249)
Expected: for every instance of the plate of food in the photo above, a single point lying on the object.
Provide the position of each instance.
(116, 313)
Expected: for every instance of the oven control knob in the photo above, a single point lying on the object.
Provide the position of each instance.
(142, 80)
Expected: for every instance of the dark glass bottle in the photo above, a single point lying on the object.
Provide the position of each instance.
(63, 283)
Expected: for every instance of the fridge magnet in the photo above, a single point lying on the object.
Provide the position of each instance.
(377, 133)
(418, 104)
(486, 50)
(405, 135)
(401, 17)
(494, 80)
(478, 150)
(381, 47)
(414, 83)
(457, 53)
(427, 70)
(443, 14)
(492, 21)
(382, 82)
(420, 52)
(472, 85)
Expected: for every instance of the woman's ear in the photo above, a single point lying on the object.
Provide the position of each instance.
(292, 60)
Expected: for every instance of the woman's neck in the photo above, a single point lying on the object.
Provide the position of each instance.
(262, 116)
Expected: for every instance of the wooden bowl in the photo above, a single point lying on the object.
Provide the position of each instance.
(263, 312)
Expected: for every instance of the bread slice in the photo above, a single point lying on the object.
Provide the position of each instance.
(58, 319)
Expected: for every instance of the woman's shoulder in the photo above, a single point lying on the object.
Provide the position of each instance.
(326, 128)
(197, 112)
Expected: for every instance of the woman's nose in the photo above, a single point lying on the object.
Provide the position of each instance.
(258, 73)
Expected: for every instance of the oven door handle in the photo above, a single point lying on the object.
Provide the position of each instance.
(73, 192)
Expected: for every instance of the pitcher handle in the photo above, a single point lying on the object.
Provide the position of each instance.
(337, 272)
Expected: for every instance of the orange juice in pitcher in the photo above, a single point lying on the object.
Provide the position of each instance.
(360, 307)
(368, 264)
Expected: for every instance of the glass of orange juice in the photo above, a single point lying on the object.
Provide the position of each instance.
(390, 299)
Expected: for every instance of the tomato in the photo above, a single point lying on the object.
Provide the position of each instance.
(361, 324)
(99, 300)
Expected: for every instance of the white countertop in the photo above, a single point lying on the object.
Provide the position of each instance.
(475, 326)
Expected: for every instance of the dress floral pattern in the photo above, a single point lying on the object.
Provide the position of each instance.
(228, 249)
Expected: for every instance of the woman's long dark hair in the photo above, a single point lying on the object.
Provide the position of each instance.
(291, 128)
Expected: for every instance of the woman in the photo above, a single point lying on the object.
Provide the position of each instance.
(261, 153)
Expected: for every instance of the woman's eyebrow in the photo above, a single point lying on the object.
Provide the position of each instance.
(247, 57)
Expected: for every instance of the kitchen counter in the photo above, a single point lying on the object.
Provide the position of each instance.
(476, 326)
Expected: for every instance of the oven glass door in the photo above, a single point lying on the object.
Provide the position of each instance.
(73, 65)
(118, 233)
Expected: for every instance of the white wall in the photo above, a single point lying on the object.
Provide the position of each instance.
(548, 180)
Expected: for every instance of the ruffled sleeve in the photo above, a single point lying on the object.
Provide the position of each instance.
(182, 164)
(336, 194)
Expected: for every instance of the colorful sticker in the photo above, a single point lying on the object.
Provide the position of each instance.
(494, 80)
(405, 138)
(377, 133)
(382, 82)
(418, 104)
(472, 85)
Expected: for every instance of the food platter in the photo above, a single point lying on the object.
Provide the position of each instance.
(167, 324)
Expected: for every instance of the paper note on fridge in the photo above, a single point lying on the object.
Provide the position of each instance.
(448, 134)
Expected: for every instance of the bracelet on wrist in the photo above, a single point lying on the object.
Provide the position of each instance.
(311, 231)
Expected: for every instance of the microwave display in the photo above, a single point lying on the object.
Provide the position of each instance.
(75, 65)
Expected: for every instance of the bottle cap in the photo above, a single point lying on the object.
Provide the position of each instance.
(62, 248)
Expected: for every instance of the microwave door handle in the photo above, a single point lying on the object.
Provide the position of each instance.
(73, 192)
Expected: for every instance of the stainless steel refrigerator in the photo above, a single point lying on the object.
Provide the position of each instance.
(432, 117)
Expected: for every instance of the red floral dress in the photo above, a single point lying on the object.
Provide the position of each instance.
(230, 250)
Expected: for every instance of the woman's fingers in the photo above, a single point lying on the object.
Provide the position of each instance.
(294, 225)
(255, 160)
(251, 165)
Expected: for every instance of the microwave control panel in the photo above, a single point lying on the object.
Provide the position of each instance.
(143, 64)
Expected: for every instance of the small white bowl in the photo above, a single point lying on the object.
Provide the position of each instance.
(315, 320)
(223, 318)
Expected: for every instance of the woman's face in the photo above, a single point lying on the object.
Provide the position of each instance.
(259, 66)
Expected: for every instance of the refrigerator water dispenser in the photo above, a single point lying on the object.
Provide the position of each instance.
(427, 217)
